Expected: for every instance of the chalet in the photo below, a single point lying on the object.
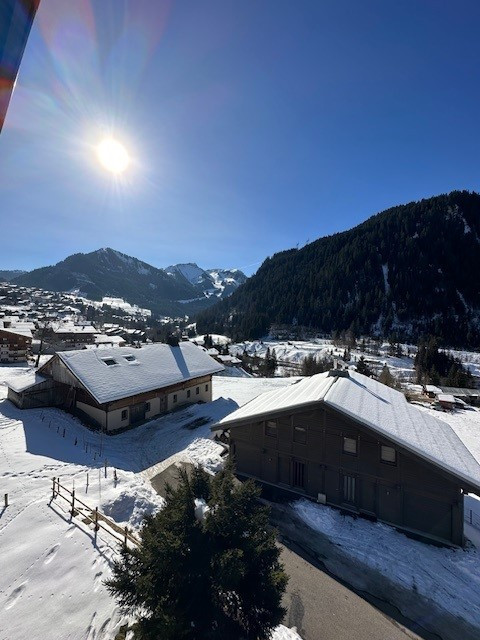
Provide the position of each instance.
(446, 401)
(431, 390)
(72, 336)
(346, 440)
(15, 342)
(113, 389)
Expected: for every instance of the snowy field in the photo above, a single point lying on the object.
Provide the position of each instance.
(53, 568)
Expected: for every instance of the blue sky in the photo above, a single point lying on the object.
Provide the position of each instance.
(253, 125)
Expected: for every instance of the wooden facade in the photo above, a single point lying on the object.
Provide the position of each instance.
(14, 346)
(324, 455)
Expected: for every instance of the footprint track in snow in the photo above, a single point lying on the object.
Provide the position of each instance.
(51, 554)
(15, 595)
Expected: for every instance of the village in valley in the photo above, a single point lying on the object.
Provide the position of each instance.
(103, 415)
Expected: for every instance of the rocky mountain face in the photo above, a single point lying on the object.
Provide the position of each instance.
(209, 282)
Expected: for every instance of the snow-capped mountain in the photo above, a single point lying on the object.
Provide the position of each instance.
(180, 289)
(209, 282)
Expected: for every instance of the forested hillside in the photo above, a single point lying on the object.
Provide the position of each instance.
(410, 270)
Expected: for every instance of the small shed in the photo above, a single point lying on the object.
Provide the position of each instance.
(446, 401)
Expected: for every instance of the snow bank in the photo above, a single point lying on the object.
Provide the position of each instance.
(206, 453)
(448, 577)
(284, 633)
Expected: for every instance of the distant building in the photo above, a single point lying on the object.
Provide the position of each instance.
(446, 401)
(349, 441)
(15, 343)
(71, 336)
(112, 389)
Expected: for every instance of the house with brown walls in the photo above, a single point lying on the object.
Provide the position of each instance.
(348, 441)
(15, 343)
(112, 389)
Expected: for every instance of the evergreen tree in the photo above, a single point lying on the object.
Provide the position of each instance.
(362, 367)
(211, 577)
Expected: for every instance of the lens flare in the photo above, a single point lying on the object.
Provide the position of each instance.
(113, 156)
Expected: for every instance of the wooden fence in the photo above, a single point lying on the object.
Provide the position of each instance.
(92, 516)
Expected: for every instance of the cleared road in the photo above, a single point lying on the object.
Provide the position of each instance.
(324, 609)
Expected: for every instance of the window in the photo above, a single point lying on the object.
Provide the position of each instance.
(109, 361)
(124, 414)
(350, 446)
(298, 474)
(300, 434)
(388, 454)
(348, 488)
(174, 397)
(147, 406)
(197, 390)
(130, 358)
(188, 393)
(206, 387)
(271, 428)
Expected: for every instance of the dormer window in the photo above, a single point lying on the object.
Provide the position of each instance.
(109, 361)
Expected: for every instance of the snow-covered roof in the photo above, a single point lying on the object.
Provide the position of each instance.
(431, 388)
(120, 372)
(20, 383)
(382, 409)
(75, 328)
(18, 330)
(445, 397)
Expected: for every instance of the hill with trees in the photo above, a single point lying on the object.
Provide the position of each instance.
(410, 271)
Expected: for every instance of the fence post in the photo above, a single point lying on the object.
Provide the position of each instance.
(73, 502)
(471, 516)
(6, 500)
(53, 491)
(126, 535)
(96, 518)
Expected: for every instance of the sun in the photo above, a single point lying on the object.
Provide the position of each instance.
(113, 156)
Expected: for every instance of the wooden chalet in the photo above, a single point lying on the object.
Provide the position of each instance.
(112, 389)
(348, 441)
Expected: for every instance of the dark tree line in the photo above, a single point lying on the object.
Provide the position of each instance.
(411, 270)
(434, 366)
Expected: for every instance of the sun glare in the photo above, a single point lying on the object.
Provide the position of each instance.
(113, 156)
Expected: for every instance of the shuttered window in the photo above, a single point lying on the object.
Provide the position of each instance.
(300, 434)
(271, 428)
(388, 454)
(350, 446)
(298, 473)
(348, 488)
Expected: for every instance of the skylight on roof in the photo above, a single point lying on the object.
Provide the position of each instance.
(109, 361)
(130, 358)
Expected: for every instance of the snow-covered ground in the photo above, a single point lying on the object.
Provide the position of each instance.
(52, 567)
(448, 577)
(295, 351)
